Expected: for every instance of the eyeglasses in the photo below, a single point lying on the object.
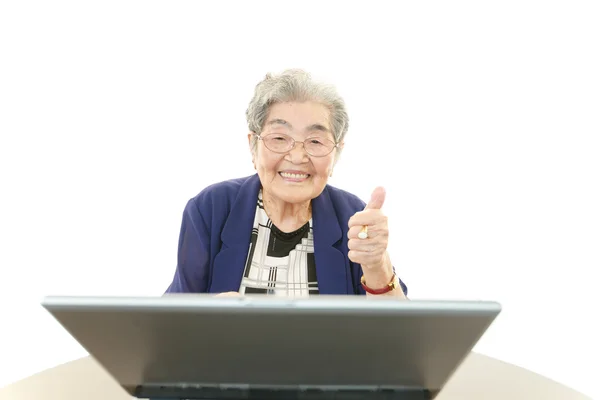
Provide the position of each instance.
(282, 143)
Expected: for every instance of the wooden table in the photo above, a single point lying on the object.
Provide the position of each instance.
(479, 377)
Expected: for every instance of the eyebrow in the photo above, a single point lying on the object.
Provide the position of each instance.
(313, 127)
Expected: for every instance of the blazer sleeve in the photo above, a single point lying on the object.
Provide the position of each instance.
(193, 254)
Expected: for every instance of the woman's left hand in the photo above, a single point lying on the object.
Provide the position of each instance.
(370, 253)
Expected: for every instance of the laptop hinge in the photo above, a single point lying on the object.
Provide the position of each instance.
(166, 391)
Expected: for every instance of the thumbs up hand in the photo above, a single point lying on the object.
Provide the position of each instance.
(368, 234)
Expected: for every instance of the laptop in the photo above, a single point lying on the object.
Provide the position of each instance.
(197, 346)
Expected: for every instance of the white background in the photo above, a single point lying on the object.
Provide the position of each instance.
(480, 118)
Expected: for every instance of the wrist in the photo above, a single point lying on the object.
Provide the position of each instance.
(377, 279)
(379, 286)
(379, 273)
(380, 279)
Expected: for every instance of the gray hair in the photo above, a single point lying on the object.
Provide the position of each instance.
(295, 85)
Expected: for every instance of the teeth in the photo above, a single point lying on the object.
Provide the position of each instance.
(294, 176)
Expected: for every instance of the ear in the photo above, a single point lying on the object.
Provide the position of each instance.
(337, 157)
(250, 147)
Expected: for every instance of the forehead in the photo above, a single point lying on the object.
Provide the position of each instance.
(299, 116)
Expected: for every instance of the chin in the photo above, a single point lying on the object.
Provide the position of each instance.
(295, 194)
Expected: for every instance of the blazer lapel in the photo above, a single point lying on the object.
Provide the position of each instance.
(229, 263)
(332, 274)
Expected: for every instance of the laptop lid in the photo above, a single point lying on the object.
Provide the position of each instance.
(199, 345)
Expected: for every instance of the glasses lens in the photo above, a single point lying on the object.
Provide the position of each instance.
(279, 143)
(318, 146)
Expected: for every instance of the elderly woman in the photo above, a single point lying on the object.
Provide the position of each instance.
(284, 231)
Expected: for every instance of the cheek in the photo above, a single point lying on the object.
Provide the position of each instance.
(267, 163)
(323, 167)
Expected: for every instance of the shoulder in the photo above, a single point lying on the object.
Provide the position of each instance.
(344, 200)
(221, 191)
(218, 196)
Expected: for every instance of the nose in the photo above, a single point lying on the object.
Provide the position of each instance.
(298, 154)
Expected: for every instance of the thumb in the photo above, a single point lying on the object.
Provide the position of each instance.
(377, 199)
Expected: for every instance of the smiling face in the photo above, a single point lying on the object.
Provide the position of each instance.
(295, 176)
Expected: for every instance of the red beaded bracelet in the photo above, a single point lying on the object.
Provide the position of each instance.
(388, 288)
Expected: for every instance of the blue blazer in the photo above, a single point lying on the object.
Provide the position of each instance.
(215, 238)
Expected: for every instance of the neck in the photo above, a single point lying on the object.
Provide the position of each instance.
(287, 216)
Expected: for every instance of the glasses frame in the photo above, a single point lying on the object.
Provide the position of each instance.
(294, 142)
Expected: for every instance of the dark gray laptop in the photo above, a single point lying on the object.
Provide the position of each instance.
(263, 347)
